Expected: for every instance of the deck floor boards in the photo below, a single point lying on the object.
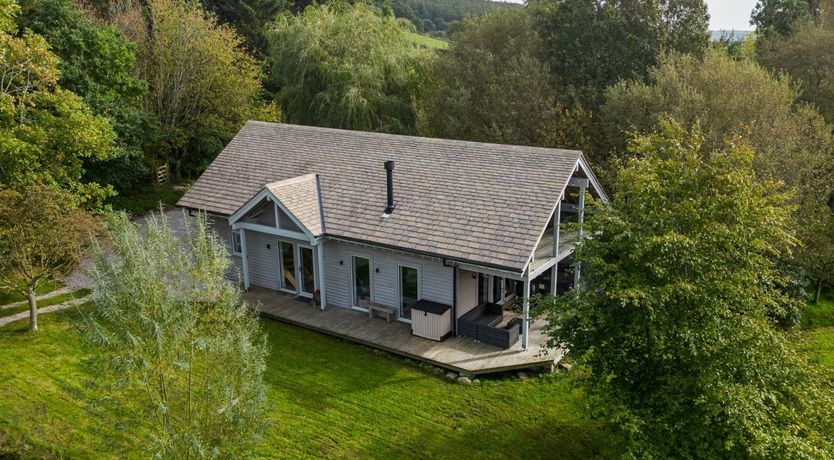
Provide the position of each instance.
(459, 354)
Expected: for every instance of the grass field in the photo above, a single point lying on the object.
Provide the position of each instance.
(145, 200)
(818, 331)
(429, 42)
(329, 399)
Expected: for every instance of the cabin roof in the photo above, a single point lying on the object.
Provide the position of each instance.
(475, 202)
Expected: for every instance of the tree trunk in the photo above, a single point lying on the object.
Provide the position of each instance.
(33, 310)
(819, 291)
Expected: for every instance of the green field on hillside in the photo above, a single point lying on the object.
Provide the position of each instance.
(429, 42)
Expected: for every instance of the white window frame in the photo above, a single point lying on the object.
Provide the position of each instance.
(298, 275)
(419, 269)
(236, 241)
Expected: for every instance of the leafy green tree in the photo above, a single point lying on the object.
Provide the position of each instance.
(778, 17)
(178, 355)
(673, 326)
(249, 18)
(97, 63)
(347, 66)
(808, 56)
(728, 98)
(203, 84)
(592, 44)
(46, 132)
(492, 85)
(43, 235)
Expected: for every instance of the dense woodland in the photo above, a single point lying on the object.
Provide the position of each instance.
(719, 155)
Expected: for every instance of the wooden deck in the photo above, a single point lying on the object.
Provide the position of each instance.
(458, 354)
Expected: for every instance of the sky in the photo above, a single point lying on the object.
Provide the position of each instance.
(724, 14)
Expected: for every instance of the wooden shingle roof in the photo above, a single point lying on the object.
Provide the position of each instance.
(474, 202)
(301, 197)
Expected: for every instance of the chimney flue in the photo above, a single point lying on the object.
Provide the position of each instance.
(389, 172)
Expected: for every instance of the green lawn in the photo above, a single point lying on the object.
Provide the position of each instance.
(46, 302)
(145, 200)
(329, 399)
(818, 337)
(429, 42)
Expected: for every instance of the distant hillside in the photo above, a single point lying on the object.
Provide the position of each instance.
(733, 35)
(432, 17)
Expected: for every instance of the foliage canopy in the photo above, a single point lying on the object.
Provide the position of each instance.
(674, 326)
(347, 66)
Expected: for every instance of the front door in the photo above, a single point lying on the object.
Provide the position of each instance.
(409, 290)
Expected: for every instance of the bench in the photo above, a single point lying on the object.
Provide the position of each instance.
(388, 313)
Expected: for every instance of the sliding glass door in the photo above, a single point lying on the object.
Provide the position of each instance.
(409, 290)
(361, 274)
(308, 277)
(298, 268)
(286, 251)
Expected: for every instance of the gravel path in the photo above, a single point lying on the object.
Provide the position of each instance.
(48, 295)
(49, 309)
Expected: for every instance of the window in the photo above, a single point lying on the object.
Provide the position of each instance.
(237, 245)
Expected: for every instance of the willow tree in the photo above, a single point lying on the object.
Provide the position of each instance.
(178, 355)
(674, 324)
(347, 66)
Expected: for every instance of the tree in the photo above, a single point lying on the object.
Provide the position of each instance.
(728, 98)
(592, 44)
(203, 85)
(492, 85)
(46, 132)
(98, 64)
(673, 325)
(249, 18)
(778, 17)
(179, 356)
(808, 56)
(43, 235)
(347, 66)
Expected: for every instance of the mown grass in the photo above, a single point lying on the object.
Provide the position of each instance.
(77, 294)
(145, 200)
(818, 336)
(328, 398)
(428, 42)
(7, 297)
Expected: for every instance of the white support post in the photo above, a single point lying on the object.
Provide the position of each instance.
(554, 274)
(581, 219)
(557, 219)
(525, 320)
(320, 257)
(244, 258)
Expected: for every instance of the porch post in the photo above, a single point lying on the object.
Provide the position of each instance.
(554, 274)
(581, 220)
(243, 258)
(557, 218)
(525, 320)
(320, 257)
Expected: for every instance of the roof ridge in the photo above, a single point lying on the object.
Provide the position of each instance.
(435, 140)
(292, 180)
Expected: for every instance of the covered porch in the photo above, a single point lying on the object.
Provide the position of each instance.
(458, 354)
